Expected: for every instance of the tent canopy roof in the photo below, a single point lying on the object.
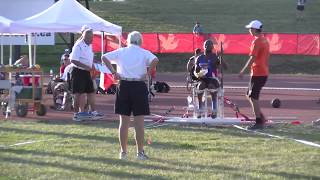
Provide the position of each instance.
(64, 16)
(4, 24)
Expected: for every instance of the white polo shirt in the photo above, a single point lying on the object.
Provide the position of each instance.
(83, 53)
(68, 69)
(131, 61)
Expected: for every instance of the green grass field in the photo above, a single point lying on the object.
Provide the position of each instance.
(227, 16)
(90, 151)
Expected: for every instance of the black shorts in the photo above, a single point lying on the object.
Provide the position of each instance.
(300, 8)
(210, 83)
(81, 81)
(132, 97)
(255, 85)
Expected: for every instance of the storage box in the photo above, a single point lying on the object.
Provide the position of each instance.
(26, 93)
(27, 79)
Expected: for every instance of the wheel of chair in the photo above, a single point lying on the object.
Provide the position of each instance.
(22, 110)
(150, 97)
(188, 83)
(41, 110)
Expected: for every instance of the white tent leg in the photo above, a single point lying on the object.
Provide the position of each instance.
(10, 52)
(30, 49)
(102, 43)
(34, 49)
(1, 49)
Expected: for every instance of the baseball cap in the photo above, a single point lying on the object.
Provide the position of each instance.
(256, 24)
(85, 27)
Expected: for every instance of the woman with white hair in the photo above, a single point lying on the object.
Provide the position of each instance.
(132, 93)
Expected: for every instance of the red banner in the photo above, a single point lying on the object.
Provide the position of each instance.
(233, 43)
(175, 43)
(288, 44)
(283, 43)
(150, 42)
(309, 44)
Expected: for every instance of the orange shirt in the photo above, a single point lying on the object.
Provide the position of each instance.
(260, 50)
(94, 73)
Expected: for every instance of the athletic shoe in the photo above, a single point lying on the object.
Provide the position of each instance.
(123, 155)
(95, 115)
(60, 108)
(213, 115)
(142, 156)
(256, 126)
(81, 116)
(316, 122)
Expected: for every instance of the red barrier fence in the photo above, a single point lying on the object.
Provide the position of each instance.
(288, 44)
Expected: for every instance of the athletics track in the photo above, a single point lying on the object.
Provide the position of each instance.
(298, 94)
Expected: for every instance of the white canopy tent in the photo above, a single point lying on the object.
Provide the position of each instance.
(4, 28)
(4, 24)
(63, 16)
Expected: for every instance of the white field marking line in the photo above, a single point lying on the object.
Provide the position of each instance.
(27, 142)
(275, 118)
(309, 143)
(154, 123)
(265, 88)
(160, 125)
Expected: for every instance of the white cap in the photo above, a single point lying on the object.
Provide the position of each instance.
(254, 24)
(85, 27)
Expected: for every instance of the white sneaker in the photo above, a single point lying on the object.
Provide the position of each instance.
(76, 118)
(123, 155)
(316, 122)
(142, 156)
(95, 115)
(81, 116)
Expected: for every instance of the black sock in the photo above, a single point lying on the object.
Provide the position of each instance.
(259, 121)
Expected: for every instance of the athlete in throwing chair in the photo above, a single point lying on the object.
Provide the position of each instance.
(206, 67)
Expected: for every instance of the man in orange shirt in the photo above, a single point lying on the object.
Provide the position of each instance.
(259, 62)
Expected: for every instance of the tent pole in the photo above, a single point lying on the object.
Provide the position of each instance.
(30, 49)
(1, 50)
(102, 43)
(10, 51)
(34, 49)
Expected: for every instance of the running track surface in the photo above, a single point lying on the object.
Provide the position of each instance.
(299, 102)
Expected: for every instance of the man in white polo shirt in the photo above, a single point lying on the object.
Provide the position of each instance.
(132, 93)
(82, 59)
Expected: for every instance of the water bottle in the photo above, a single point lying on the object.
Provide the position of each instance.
(51, 73)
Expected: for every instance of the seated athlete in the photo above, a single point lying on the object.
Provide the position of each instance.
(206, 66)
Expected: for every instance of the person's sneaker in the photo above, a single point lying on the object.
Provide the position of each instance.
(60, 108)
(123, 155)
(316, 122)
(213, 115)
(142, 156)
(81, 116)
(75, 117)
(256, 126)
(95, 115)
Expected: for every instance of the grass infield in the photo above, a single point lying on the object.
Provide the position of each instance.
(66, 150)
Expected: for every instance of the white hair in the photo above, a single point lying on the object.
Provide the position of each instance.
(134, 38)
